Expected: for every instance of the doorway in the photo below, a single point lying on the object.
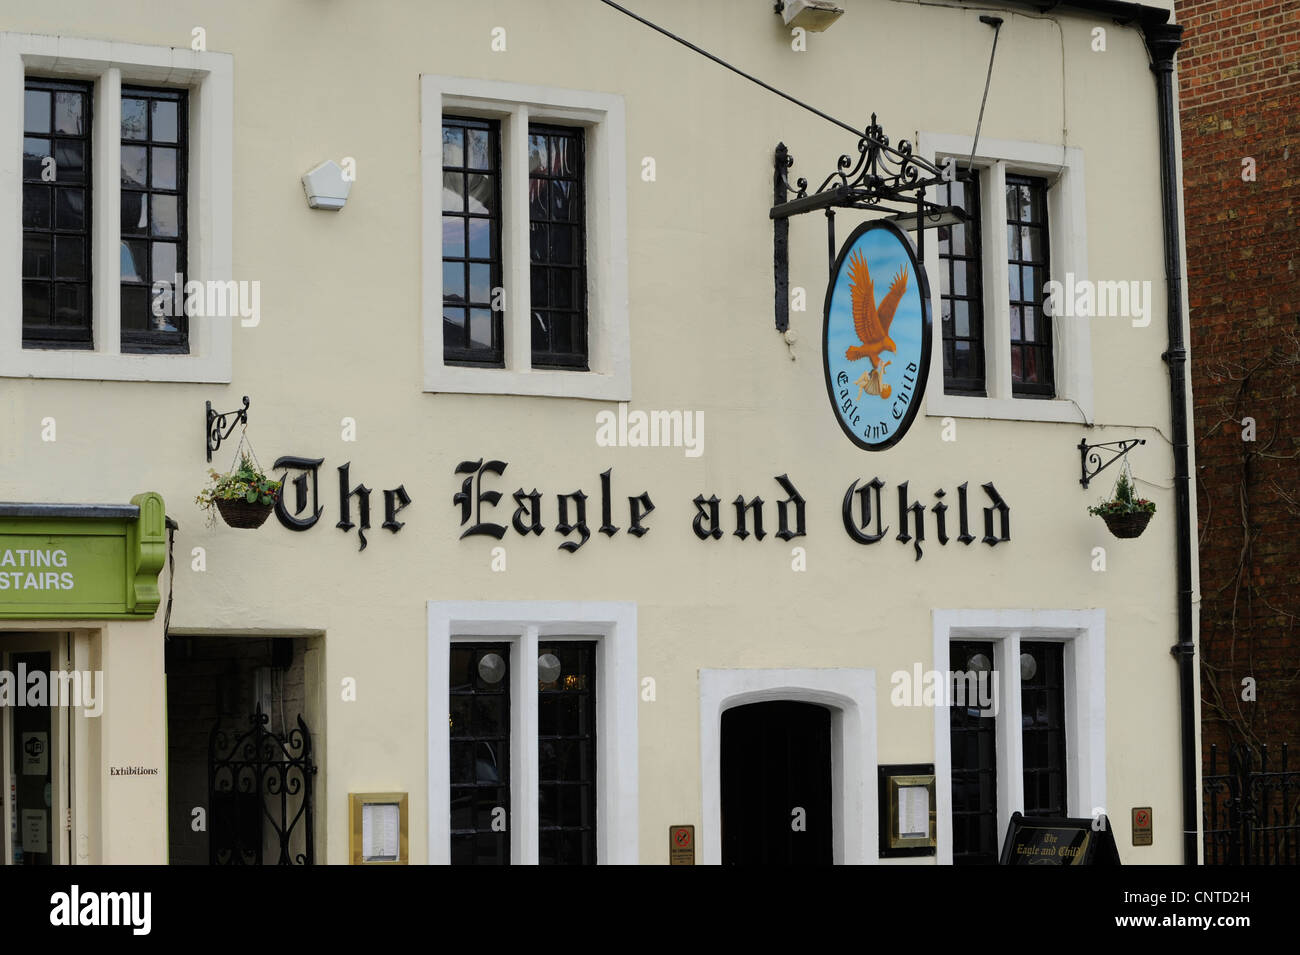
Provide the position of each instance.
(243, 750)
(776, 784)
(34, 734)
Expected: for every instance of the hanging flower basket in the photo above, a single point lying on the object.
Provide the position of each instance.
(1127, 525)
(245, 497)
(1125, 514)
(242, 514)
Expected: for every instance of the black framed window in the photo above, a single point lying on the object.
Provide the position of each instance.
(56, 214)
(471, 242)
(566, 752)
(479, 727)
(557, 244)
(154, 228)
(972, 734)
(961, 290)
(1042, 712)
(1032, 374)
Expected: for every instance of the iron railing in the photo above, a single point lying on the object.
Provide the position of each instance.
(1251, 816)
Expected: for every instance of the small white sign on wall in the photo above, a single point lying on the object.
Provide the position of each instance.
(36, 754)
(35, 830)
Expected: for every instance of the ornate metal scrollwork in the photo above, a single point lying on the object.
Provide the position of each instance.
(255, 778)
(881, 173)
(1089, 457)
(219, 423)
(882, 178)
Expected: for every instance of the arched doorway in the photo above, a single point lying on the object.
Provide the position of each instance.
(776, 784)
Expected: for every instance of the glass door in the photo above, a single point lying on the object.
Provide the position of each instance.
(33, 748)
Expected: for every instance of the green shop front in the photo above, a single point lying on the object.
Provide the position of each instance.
(82, 690)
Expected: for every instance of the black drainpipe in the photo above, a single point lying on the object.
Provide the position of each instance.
(1163, 40)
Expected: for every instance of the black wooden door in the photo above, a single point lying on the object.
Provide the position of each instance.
(776, 784)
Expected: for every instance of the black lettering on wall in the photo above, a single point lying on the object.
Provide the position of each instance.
(309, 466)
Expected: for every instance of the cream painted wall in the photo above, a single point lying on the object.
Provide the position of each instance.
(340, 336)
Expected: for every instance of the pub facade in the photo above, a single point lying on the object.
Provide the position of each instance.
(627, 511)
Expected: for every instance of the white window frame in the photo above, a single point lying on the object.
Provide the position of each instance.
(515, 106)
(523, 625)
(850, 694)
(210, 79)
(1068, 252)
(1083, 633)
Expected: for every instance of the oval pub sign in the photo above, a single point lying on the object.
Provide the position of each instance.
(876, 337)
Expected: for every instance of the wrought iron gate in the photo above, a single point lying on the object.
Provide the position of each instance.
(1252, 817)
(255, 778)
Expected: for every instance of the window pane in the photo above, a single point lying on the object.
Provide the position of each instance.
(164, 122)
(163, 220)
(36, 206)
(135, 161)
(38, 260)
(71, 306)
(471, 232)
(480, 238)
(164, 262)
(70, 209)
(153, 158)
(536, 155)
(1029, 269)
(555, 239)
(453, 237)
(1042, 706)
(36, 111)
(135, 213)
(70, 258)
(453, 327)
(69, 113)
(70, 161)
(134, 268)
(453, 192)
(34, 152)
(453, 146)
(480, 283)
(479, 727)
(56, 214)
(36, 303)
(135, 123)
(164, 167)
(566, 753)
(480, 328)
(135, 308)
(561, 288)
(481, 194)
(453, 282)
(972, 732)
(478, 141)
(960, 292)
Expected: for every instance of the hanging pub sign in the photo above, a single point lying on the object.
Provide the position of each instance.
(1048, 840)
(876, 336)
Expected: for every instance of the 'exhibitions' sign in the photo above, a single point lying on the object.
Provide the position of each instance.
(876, 337)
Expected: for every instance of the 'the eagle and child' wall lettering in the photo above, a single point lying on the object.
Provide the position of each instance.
(862, 509)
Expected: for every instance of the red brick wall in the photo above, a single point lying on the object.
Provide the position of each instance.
(1239, 72)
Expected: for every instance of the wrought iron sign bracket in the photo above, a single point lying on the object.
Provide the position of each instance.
(219, 426)
(1089, 455)
(883, 178)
